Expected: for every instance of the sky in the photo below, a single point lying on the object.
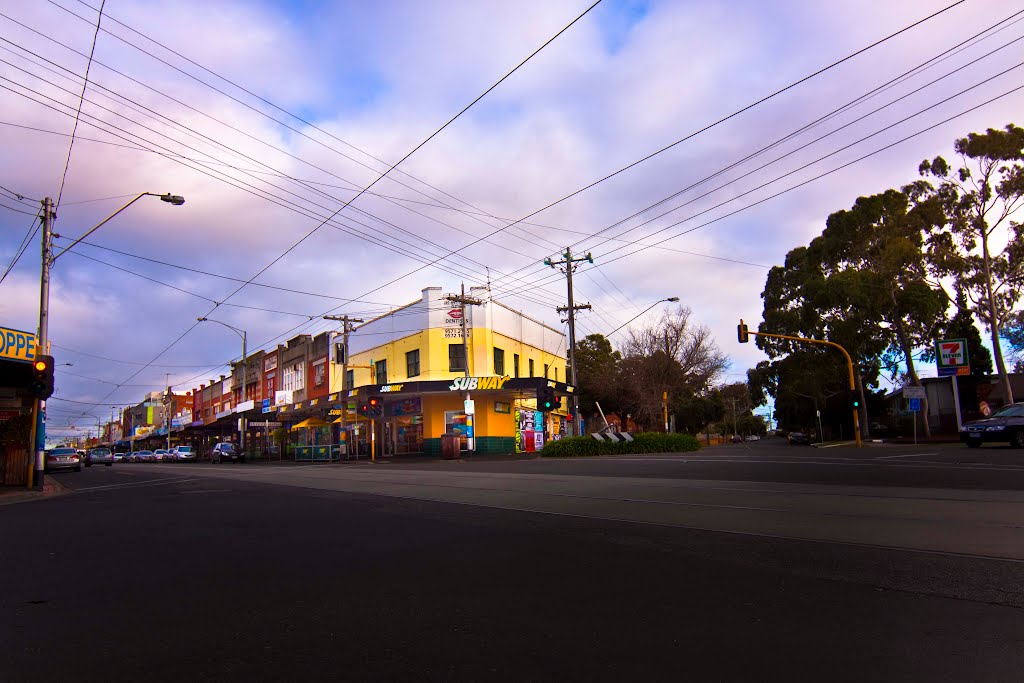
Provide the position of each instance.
(269, 116)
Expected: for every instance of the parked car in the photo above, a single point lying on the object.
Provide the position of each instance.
(736, 438)
(145, 456)
(799, 439)
(226, 451)
(161, 454)
(183, 454)
(120, 457)
(100, 456)
(63, 459)
(1005, 425)
(753, 437)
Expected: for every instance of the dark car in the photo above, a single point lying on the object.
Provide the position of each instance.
(799, 439)
(226, 451)
(1006, 425)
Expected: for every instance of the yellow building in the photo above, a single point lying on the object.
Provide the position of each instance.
(413, 359)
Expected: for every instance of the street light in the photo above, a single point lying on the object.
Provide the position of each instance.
(42, 341)
(660, 301)
(240, 333)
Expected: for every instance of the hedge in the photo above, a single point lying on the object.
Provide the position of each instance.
(647, 442)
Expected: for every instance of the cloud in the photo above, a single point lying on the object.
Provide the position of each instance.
(374, 80)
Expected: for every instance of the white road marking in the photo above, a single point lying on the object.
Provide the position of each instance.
(909, 455)
(130, 484)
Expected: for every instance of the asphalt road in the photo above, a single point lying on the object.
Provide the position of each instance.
(512, 570)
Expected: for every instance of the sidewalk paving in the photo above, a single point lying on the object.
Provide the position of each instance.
(19, 494)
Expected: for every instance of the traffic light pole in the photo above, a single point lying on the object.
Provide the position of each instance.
(462, 300)
(743, 332)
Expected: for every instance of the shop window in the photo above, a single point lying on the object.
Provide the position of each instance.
(381, 369)
(456, 358)
(499, 361)
(515, 364)
(412, 363)
(545, 371)
(350, 379)
(531, 367)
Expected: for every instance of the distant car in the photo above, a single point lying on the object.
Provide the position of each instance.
(161, 454)
(63, 459)
(119, 457)
(1005, 425)
(101, 456)
(753, 437)
(183, 454)
(736, 438)
(226, 451)
(145, 456)
(799, 439)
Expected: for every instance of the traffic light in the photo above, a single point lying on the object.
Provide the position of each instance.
(41, 385)
(364, 409)
(854, 399)
(741, 332)
(376, 407)
(548, 401)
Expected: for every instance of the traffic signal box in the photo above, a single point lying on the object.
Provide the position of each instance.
(364, 409)
(41, 385)
(548, 401)
(741, 333)
(375, 407)
(854, 399)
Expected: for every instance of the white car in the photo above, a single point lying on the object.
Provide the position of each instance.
(162, 454)
(183, 454)
(100, 456)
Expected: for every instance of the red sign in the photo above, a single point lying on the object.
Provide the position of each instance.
(455, 313)
(8, 414)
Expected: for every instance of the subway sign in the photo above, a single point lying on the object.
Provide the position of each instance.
(17, 345)
(478, 383)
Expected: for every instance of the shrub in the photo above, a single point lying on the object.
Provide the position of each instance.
(647, 442)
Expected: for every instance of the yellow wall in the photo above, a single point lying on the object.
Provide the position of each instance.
(433, 347)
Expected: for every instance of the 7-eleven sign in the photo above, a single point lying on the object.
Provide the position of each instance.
(951, 357)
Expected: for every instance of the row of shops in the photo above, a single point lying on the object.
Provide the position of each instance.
(500, 417)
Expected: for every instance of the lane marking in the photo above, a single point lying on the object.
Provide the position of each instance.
(130, 484)
(909, 455)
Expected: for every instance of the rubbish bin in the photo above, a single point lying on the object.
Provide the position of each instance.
(450, 444)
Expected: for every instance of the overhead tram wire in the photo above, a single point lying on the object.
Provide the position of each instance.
(350, 231)
(18, 196)
(687, 137)
(81, 99)
(834, 170)
(234, 127)
(627, 242)
(409, 154)
(20, 251)
(262, 194)
(920, 67)
(284, 111)
(643, 247)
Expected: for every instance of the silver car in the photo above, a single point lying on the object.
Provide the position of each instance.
(183, 454)
(100, 456)
(63, 459)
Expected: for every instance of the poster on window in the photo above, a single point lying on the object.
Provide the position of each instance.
(319, 374)
(538, 441)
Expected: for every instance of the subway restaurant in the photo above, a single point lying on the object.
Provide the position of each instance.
(500, 416)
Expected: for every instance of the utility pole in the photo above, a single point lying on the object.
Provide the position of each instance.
(346, 328)
(569, 264)
(462, 300)
(167, 409)
(42, 342)
(243, 427)
(735, 420)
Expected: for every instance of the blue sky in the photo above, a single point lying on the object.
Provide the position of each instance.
(371, 81)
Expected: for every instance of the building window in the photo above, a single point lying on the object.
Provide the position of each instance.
(515, 364)
(556, 373)
(319, 374)
(350, 379)
(531, 367)
(456, 358)
(381, 368)
(499, 361)
(545, 371)
(292, 378)
(412, 363)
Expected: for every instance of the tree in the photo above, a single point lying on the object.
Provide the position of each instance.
(695, 412)
(597, 371)
(978, 200)
(675, 356)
